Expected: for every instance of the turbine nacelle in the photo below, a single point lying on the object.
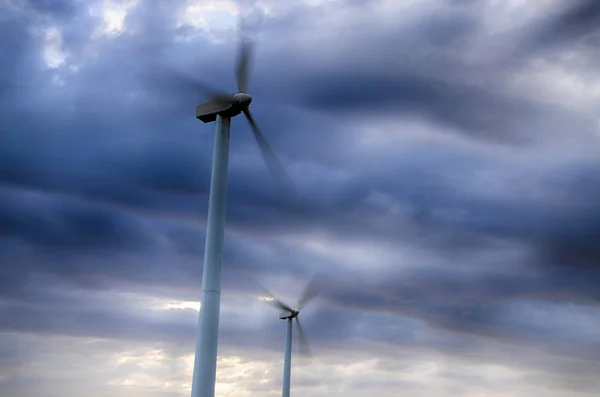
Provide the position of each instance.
(289, 314)
(226, 105)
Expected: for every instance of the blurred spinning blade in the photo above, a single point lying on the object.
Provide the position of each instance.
(303, 345)
(282, 181)
(310, 292)
(274, 301)
(243, 65)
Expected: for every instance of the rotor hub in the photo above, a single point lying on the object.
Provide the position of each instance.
(242, 99)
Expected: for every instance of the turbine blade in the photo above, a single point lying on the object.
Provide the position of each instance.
(244, 59)
(282, 180)
(169, 79)
(303, 341)
(276, 302)
(310, 292)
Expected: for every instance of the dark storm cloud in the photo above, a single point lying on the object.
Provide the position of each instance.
(64, 224)
(98, 246)
(579, 21)
(564, 232)
(573, 241)
(123, 175)
(16, 56)
(76, 142)
(467, 301)
(187, 178)
(63, 8)
(428, 290)
(447, 236)
(417, 74)
(474, 110)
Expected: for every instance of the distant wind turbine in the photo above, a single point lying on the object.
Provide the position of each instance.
(289, 314)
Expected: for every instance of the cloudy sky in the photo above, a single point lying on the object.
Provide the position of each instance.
(446, 154)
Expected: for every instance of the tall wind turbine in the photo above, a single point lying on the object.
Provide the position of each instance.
(221, 109)
(289, 315)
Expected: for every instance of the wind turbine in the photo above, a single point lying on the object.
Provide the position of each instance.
(289, 315)
(221, 108)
